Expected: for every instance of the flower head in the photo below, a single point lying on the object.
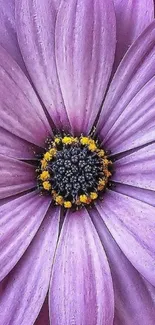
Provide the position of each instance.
(77, 163)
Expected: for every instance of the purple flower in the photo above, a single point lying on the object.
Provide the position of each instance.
(95, 265)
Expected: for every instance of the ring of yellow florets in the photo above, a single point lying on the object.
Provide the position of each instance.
(73, 170)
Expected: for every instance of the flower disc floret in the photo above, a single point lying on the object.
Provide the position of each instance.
(74, 171)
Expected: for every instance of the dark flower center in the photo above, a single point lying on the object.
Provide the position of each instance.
(73, 170)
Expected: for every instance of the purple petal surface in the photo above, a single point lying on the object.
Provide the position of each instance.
(137, 169)
(16, 176)
(15, 147)
(131, 223)
(20, 109)
(136, 125)
(141, 194)
(81, 289)
(85, 46)
(43, 317)
(133, 302)
(132, 17)
(27, 285)
(135, 70)
(37, 42)
(8, 36)
(19, 221)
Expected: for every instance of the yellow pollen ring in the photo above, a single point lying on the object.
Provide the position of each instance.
(67, 204)
(44, 176)
(46, 185)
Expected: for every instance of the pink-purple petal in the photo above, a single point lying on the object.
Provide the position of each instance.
(131, 223)
(138, 193)
(132, 17)
(81, 289)
(136, 125)
(37, 42)
(21, 111)
(43, 317)
(133, 302)
(15, 147)
(27, 284)
(135, 70)
(8, 36)
(19, 221)
(137, 169)
(16, 176)
(85, 46)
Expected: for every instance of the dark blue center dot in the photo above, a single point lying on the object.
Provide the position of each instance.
(74, 171)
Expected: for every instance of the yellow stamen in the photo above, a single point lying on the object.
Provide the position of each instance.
(47, 156)
(44, 176)
(67, 204)
(67, 140)
(85, 199)
(92, 147)
(101, 153)
(84, 140)
(52, 152)
(46, 185)
(43, 163)
(59, 199)
(93, 195)
(57, 140)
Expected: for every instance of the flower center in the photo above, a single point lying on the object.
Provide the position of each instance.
(73, 170)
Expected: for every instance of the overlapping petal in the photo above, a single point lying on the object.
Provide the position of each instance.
(131, 223)
(133, 302)
(21, 111)
(138, 193)
(137, 169)
(27, 284)
(85, 46)
(8, 36)
(36, 38)
(132, 17)
(16, 176)
(136, 69)
(81, 288)
(19, 222)
(15, 147)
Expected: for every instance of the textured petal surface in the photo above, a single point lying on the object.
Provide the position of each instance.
(8, 37)
(20, 109)
(85, 45)
(36, 34)
(133, 302)
(136, 69)
(43, 317)
(28, 283)
(141, 194)
(131, 223)
(137, 169)
(136, 125)
(16, 176)
(19, 222)
(81, 288)
(132, 17)
(15, 147)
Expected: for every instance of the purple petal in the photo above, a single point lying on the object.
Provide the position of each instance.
(81, 288)
(137, 169)
(133, 302)
(141, 194)
(43, 317)
(131, 223)
(16, 176)
(85, 45)
(37, 42)
(136, 125)
(20, 109)
(19, 221)
(132, 17)
(15, 147)
(136, 69)
(28, 283)
(8, 37)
